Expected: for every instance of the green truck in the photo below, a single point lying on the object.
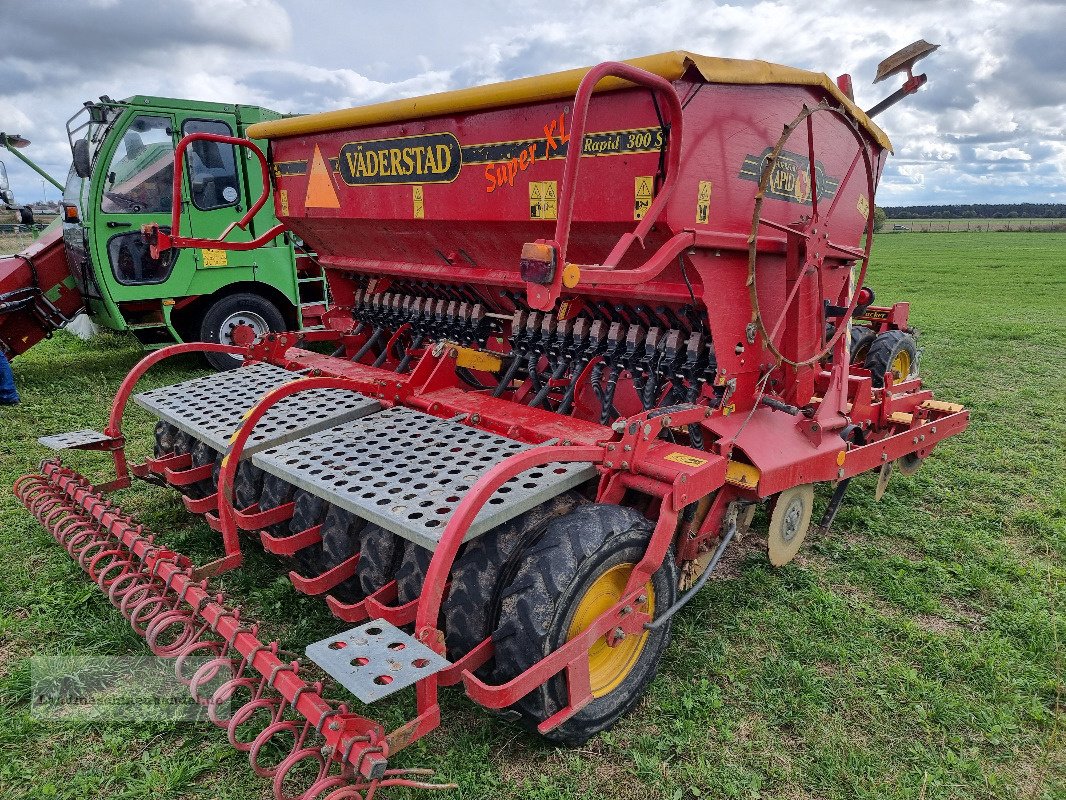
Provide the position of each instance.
(121, 178)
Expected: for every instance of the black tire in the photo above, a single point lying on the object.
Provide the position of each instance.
(486, 568)
(25, 215)
(411, 573)
(885, 349)
(861, 338)
(202, 455)
(165, 434)
(340, 541)
(380, 554)
(216, 323)
(247, 484)
(537, 609)
(276, 492)
(308, 512)
(184, 444)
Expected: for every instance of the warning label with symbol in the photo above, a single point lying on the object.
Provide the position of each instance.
(543, 200)
(863, 206)
(419, 202)
(643, 192)
(703, 203)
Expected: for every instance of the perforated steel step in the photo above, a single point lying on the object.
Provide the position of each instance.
(73, 440)
(375, 659)
(407, 471)
(211, 408)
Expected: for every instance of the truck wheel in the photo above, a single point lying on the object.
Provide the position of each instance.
(895, 352)
(238, 319)
(485, 568)
(576, 571)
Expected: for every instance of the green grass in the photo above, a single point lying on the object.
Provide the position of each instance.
(915, 652)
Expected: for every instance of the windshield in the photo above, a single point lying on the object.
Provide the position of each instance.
(141, 173)
(3, 177)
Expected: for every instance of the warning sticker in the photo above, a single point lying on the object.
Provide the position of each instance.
(283, 201)
(320, 191)
(686, 459)
(703, 203)
(643, 192)
(863, 206)
(215, 258)
(543, 200)
(418, 194)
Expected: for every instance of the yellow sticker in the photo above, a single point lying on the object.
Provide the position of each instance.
(419, 202)
(863, 206)
(283, 201)
(564, 309)
(215, 258)
(729, 409)
(684, 458)
(703, 203)
(643, 191)
(543, 200)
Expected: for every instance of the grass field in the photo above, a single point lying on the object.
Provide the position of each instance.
(915, 652)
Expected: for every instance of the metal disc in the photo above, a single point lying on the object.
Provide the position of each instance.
(789, 522)
(908, 464)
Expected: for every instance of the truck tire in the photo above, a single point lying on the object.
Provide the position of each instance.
(234, 311)
(565, 580)
(895, 352)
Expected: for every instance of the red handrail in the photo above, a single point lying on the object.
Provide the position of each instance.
(161, 241)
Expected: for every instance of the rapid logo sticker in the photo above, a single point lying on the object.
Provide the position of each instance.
(790, 179)
(429, 158)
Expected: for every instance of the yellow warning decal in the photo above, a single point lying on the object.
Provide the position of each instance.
(703, 203)
(215, 258)
(543, 200)
(686, 459)
(643, 191)
(564, 310)
(418, 194)
(283, 202)
(741, 474)
(863, 206)
(320, 191)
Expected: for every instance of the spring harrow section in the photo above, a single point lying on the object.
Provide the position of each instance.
(326, 751)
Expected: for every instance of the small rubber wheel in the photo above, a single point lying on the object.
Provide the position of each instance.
(202, 455)
(861, 338)
(895, 352)
(165, 434)
(340, 541)
(380, 555)
(238, 319)
(412, 572)
(308, 512)
(184, 444)
(789, 521)
(572, 574)
(486, 568)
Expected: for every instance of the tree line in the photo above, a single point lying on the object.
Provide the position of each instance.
(980, 211)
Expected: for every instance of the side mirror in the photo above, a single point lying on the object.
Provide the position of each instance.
(82, 165)
(7, 195)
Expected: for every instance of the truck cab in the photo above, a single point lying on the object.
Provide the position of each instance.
(121, 179)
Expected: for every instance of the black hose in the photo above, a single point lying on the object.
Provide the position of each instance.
(556, 373)
(571, 389)
(608, 406)
(508, 376)
(369, 344)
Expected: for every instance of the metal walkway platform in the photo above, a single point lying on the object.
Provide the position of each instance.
(407, 471)
(211, 408)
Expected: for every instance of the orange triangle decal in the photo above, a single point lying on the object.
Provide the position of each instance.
(320, 191)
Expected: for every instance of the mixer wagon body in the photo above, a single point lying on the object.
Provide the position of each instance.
(583, 325)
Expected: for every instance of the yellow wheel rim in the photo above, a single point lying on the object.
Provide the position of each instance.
(609, 666)
(901, 365)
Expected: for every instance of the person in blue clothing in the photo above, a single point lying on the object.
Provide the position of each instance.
(9, 396)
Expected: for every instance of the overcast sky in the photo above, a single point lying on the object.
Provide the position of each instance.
(989, 127)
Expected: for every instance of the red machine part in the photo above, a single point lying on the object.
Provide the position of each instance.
(37, 294)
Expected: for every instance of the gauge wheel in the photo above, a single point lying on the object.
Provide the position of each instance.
(789, 522)
(895, 352)
(238, 319)
(861, 339)
(566, 579)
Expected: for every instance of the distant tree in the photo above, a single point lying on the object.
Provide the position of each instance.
(880, 217)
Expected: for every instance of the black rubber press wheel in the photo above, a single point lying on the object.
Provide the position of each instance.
(895, 352)
(577, 570)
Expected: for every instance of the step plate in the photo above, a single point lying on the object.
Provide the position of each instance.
(73, 440)
(407, 471)
(375, 660)
(211, 408)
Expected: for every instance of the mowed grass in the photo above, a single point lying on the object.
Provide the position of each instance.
(914, 652)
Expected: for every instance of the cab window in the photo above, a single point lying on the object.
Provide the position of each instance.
(212, 167)
(140, 176)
